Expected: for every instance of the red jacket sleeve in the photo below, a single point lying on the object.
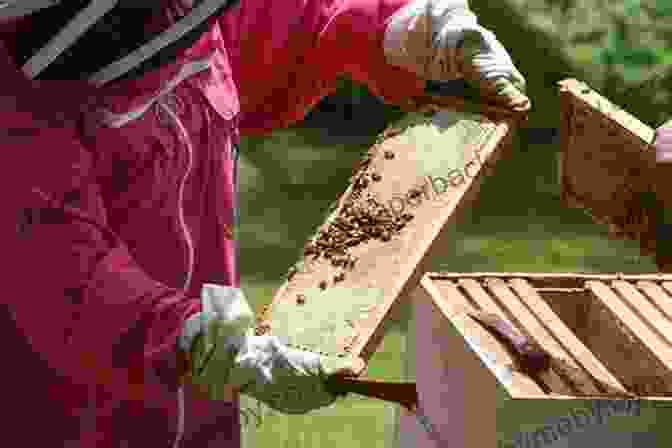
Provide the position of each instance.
(285, 56)
(75, 291)
(353, 32)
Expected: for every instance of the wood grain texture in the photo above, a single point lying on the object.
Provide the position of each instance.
(583, 358)
(432, 165)
(608, 164)
(529, 325)
(658, 297)
(627, 344)
(452, 302)
(616, 344)
(455, 391)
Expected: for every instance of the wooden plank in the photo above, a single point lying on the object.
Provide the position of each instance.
(658, 297)
(608, 164)
(571, 305)
(592, 99)
(622, 346)
(567, 138)
(578, 351)
(623, 338)
(667, 286)
(633, 321)
(455, 390)
(645, 310)
(623, 342)
(452, 303)
(528, 324)
(485, 303)
(445, 293)
(404, 165)
(447, 297)
(542, 279)
(565, 371)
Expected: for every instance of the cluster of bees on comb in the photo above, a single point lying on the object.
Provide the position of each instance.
(360, 218)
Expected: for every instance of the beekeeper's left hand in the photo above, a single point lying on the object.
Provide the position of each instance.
(441, 40)
(226, 354)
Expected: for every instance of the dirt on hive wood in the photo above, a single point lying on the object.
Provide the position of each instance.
(608, 165)
(379, 231)
(622, 352)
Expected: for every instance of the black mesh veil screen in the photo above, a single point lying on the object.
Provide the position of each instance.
(118, 33)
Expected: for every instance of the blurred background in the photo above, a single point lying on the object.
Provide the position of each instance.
(623, 49)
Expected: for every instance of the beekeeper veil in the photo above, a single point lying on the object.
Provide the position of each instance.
(104, 40)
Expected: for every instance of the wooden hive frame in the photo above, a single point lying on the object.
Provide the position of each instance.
(616, 328)
(354, 312)
(606, 163)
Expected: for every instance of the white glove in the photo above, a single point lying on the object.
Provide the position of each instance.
(226, 352)
(441, 40)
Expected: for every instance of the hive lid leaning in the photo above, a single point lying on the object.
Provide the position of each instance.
(374, 245)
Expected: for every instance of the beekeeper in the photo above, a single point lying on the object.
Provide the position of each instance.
(120, 121)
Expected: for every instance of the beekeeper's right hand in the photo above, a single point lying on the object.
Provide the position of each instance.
(225, 353)
(441, 40)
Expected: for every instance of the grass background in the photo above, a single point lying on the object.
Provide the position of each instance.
(517, 224)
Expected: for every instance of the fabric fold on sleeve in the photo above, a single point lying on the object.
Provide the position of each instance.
(353, 33)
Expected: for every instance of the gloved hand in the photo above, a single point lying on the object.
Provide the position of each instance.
(225, 352)
(441, 40)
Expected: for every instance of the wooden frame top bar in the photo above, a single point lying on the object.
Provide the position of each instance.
(421, 174)
(582, 92)
(614, 329)
(607, 164)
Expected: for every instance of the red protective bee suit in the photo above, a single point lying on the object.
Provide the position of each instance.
(119, 204)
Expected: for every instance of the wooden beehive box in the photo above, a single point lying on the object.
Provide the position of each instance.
(372, 248)
(616, 328)
(606, 163)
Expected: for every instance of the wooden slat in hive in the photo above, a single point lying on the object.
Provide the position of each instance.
(627, 345)
(615, 328)
(667, 286)
(529, 325)
(554, 279)
(577, 351)
(507, 310)
(644, 309)
(484, 302)
(455, 305)
(481, 298)
(331, 308)
(657, 296)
